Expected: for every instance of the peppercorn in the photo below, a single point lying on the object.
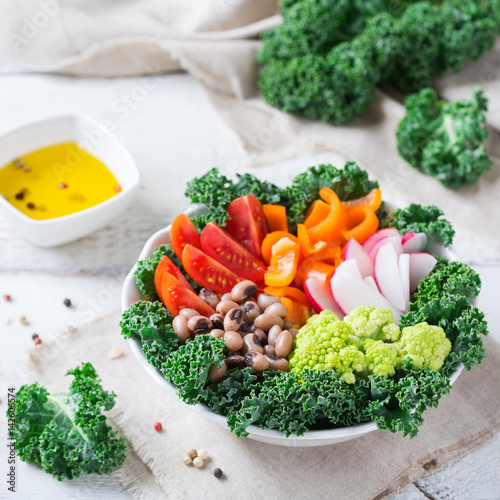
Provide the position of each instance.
(38, 340)
(8, 298)
(218, 473)
(19, 196)
(158, 426)
(67, 302)
(192, 453)
(198, 462)
(203, 454)
(34, 336)
(187, 460)
(30, 205)
(23, 320)
(63, 185)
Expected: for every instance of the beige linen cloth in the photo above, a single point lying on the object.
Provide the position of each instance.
(370, 467)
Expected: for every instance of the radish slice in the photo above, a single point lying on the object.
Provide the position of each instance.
(395, 241)
(404, 276)
(386, 271)
(320, 297)
(350, 266)
(407, 236)
(421, 264)
(377, 235)
(350, 292)
(371, 283)
(415, 243)
(354, 250)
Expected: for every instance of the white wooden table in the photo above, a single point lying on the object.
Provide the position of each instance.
(173, 133)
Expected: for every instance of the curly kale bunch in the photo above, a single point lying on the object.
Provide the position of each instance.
(445, 139)
(326, 59)
(66, 433)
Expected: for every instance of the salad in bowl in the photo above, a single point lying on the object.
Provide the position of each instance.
(304, 315)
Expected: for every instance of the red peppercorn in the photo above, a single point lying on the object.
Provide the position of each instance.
(158, 426)
(118, 188)
(37, 340)
(63, 185)
(8, 298)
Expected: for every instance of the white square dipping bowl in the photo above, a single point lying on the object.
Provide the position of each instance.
(91, 137)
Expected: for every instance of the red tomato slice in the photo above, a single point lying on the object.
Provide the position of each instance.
(247, 224)
(167, 266)
(182, 233)
(222, 247)
(175, 296)
(207, 272)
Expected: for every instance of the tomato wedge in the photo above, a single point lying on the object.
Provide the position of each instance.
(222, 247)
(182, 233)
(167, 266)
(207, 272)
(175, 296)
(247, 224)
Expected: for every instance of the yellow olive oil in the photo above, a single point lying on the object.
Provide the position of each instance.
(56, 180)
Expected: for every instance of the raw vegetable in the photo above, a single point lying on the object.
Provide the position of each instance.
(424, 219)
(326, 59)
(445, 139)
(145, 272)
(375, 323)
(271, 239)
(276, 217)
(66, 433)
(284, 262)
(183, 232)
(167, 266)
(207, 272)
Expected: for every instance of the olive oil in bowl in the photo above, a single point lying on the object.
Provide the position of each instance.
(57, 180)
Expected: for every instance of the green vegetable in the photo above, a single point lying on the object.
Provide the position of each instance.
(375, 323)
(426, 345)
(326, 59)
(187, 367)
(381, 358)
(445, 139)
(145, 272)
(66, 434)
(422, 219)
(152, 324)
(324, 342)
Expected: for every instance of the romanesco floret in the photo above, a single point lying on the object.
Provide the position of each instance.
(426, 345)
(324, 342)
(381, 358)
(375, 323)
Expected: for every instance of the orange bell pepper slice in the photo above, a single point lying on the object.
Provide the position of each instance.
(361, 223)
(298, 314)
(276, 217)
(329, 228)
(311, 267)
(271, 239)
(329, 254)
(305, 242)
(372, 200)
(290, 292)
(317, 211)
(284, 262)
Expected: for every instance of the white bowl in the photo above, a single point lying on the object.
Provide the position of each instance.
(90, 136)
(131, 294)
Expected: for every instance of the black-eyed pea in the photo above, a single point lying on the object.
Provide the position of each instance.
(277, 364)
(217, 320)
(287, 325)
(277, 309)
(269, 349)
(257, 361)
(217, 333)
(180, 325)
(266, 321)
(224, 306)
(251, 310)
(226, 296)
(284, 344)
(251, 342)
(262, 335)
(235, 361)
(199, 324)
(265, 300)
(233, 340)
(188, 313)
(216, 373)
(243, 290)
(209, 297)
(294, 332)
(233, 319)
(273, 334)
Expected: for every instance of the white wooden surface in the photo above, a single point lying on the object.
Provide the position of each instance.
(174, 133)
